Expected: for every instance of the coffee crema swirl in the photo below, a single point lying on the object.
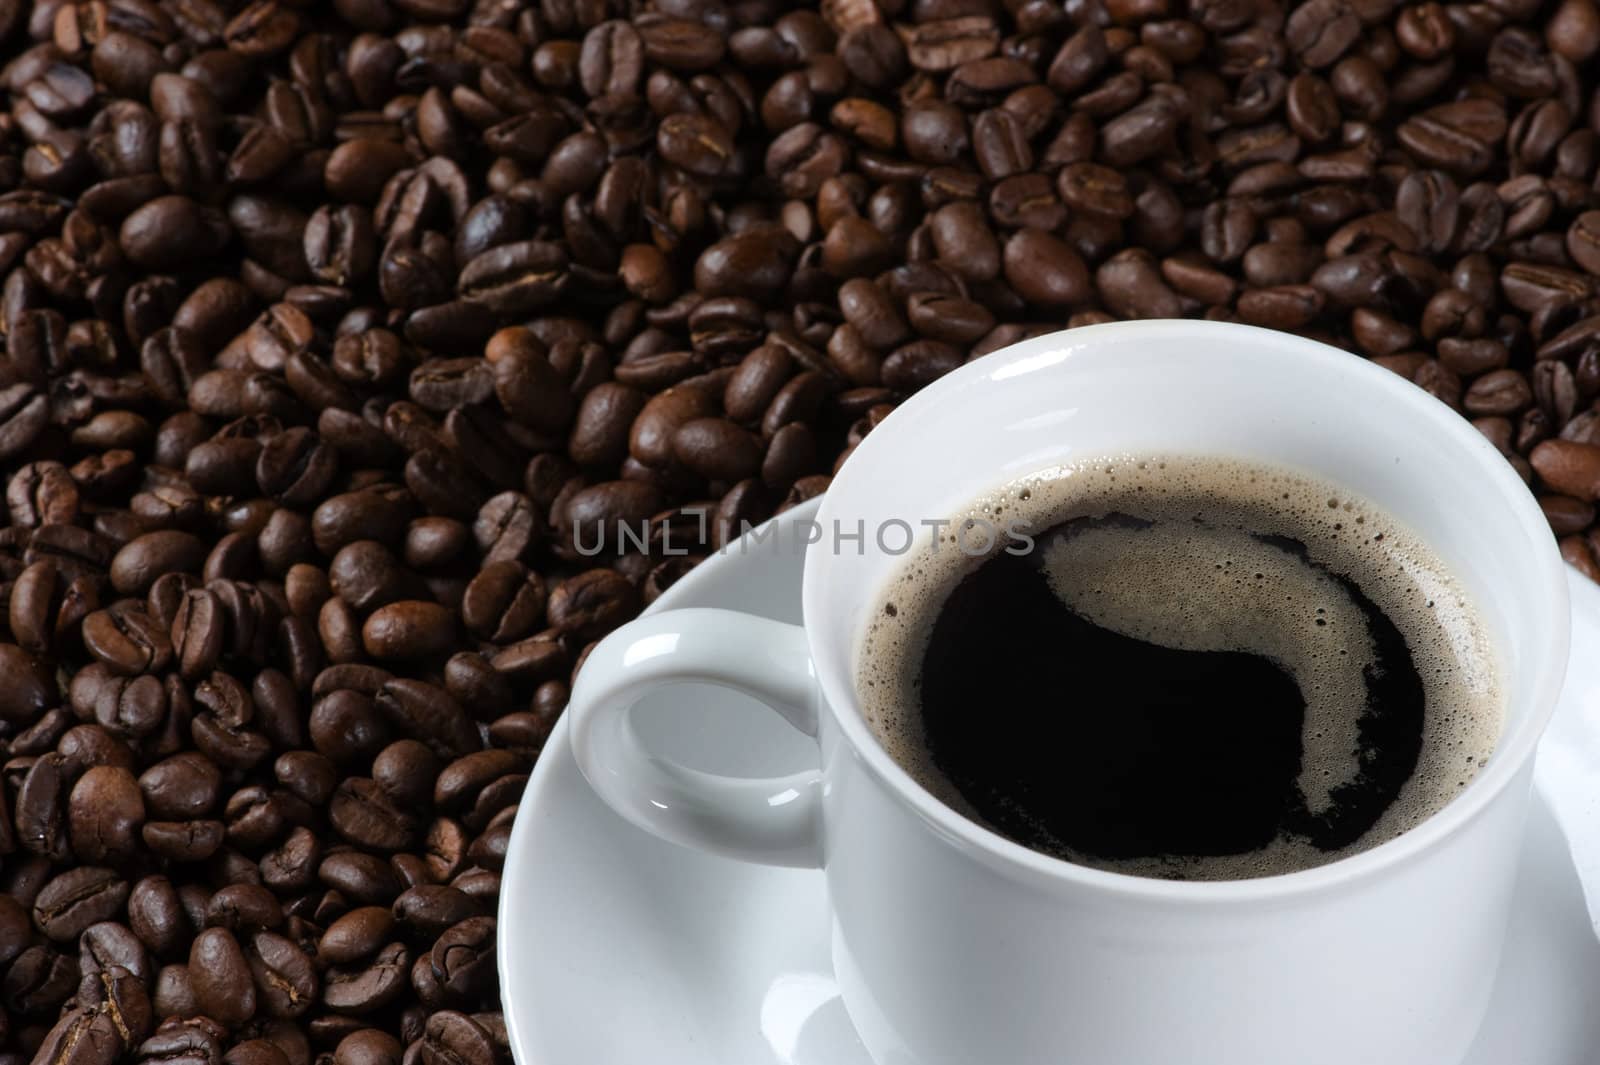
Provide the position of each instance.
(1190, 667)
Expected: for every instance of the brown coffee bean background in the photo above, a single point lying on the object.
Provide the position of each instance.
(338, 338)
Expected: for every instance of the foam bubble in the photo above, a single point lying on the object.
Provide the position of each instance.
(1212, 585)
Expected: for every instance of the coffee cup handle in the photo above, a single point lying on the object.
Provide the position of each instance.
(772, 820)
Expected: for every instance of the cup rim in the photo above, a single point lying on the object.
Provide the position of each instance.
(1514, 751)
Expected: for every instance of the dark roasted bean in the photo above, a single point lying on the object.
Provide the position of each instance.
(78, 898)
(156, 916)
(366, 987)
(221, 977)
(105, 814)
(1569, 467)
(285, 978)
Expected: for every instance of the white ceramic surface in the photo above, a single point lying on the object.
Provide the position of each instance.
(952, 945)
(618, 949)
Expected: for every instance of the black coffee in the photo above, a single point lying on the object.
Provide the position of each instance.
(1183, 667)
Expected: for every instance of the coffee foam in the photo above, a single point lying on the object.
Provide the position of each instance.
(1217, 587)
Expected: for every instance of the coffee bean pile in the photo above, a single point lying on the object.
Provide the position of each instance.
(366, 361)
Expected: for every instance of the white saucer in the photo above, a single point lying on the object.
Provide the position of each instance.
(618, 949)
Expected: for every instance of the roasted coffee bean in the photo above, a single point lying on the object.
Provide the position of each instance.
(285, 978)
(181, 787)
(356, 935)
(256, 818)
(185, 1041)
(221, 977)
(409, 629)
(527, 386)
(368, 1046)
(29, 690)
(362, 878)
(1095, 189)
(1566, 515)
(591, 604)
(376, 513)
(1227, 228)
(156, 916)
(1501, 392)
(429, 714)
(965, 242)
(696, 144)
(172, 231)
(345, 726)
(184, 841)
(107, 947)
(450, 1036)
(1045, 270)
(463, 957)
(40, 816)
(600, 429)
(241, 908)
(911, 366)
(340, 244)
(1283, 307)
(39, 981)
(1583, 241)
(1472, 356)
(139, 562)
(78, 898)
(466, 779)
(433, 908)
(105, 814)
(402, 770)
(1457, 137)
(515, 278)
(24, 412)
(295, 467)
(83, 1036)
(1569, 467)
(172, 359)
(173, 996)
(35, 606)
(293, 865)
(257, 1052)
(717, 449)
(367, 575)
(504, 602)
(14, 929)
(362, 989)
(948, 318)
(1133, 287)
(127, 640)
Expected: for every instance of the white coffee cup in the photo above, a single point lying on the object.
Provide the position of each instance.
(955, 946)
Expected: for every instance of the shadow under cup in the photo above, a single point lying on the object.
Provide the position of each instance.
(1199, 388)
